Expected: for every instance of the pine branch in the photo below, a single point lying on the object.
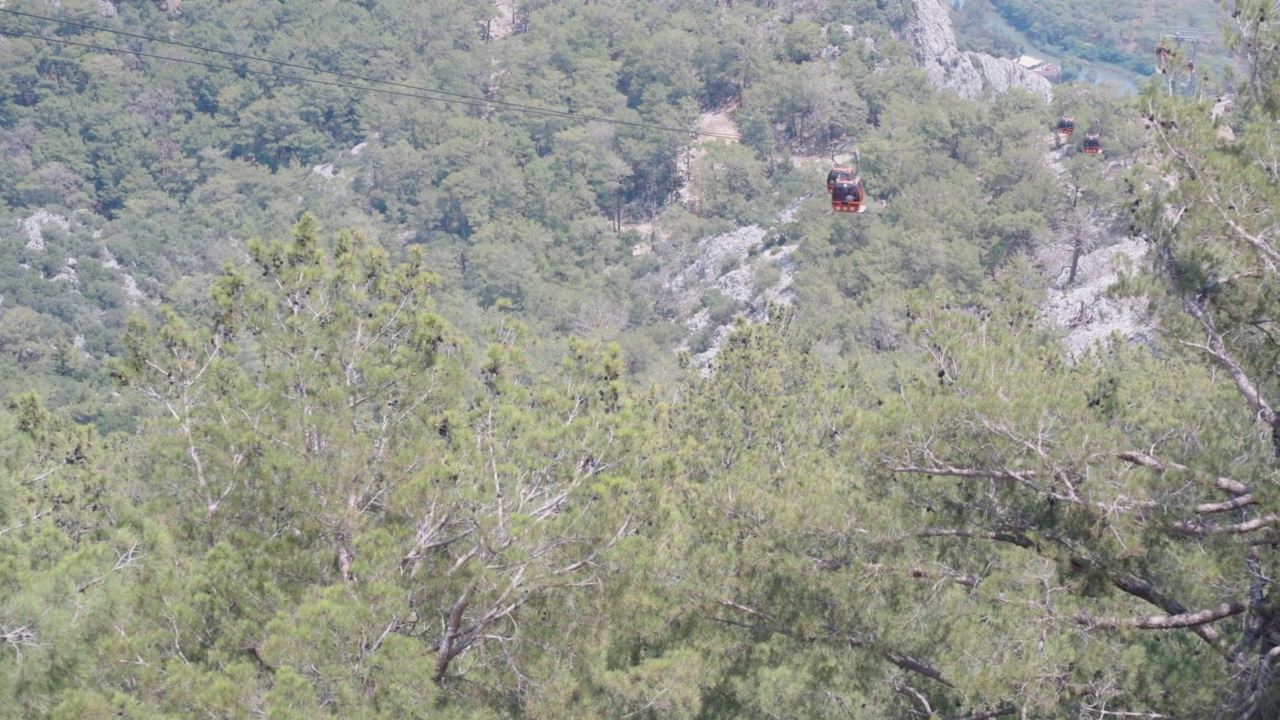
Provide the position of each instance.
(906, 662)
(1025, 478)
(998, 536)
(998, 712)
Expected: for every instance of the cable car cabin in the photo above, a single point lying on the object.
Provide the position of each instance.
(848, 195)
(1092, 145)
(838, 173)
(1067, 125)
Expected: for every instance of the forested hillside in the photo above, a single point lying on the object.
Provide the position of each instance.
(333, 397)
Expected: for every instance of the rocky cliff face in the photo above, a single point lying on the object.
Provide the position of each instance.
(968, 74)
(1086, 311)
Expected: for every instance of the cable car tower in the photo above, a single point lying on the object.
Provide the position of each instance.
(1167, 57)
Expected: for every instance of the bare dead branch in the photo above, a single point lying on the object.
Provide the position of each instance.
(906, 662)
(1217, 349)
(987, 715)
(1165, 622)
(727, 602)
(959, 578)
(392, 625)
(904, 689)
(34, 517)
(18, 637)
(444, 653)
(1241, 528)
(1224, 506)
(1234, 487)
(22, 635)
(1144, 590)
(1019, 475)
(1270, 257)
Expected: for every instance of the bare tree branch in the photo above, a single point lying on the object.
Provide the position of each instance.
(1241, 528)
(18, 638)
(998, 712)
(1232, 504)
(1144, 590)
(906, 662)
(904, 689)
(1165, 622)
(1270, 257)
(1217, 349)
(445, 648)
(1221, 483)
(728, 602)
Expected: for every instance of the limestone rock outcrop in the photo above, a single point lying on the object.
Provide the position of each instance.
(928, 31)
(1087, 312)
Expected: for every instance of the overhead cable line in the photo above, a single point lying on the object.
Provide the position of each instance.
(435, 95)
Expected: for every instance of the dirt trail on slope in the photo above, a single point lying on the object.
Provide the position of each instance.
(719, 123)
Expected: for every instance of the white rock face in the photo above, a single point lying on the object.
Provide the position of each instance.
(33, 227)
(133, 294)
(968, 74)
(325, 170)
(107, 9)
(730, 263)
(714, 252)
(1085, 310)
(1002, 75)
(67, 273)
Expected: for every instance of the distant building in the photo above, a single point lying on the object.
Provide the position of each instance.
(1048, 71)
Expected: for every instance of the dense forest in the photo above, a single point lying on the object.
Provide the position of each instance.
(378, 394)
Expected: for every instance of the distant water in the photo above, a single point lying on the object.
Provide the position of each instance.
(1106, 73)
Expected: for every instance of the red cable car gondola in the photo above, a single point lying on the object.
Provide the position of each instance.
(848, 195)
(1067, 125)
(838, 173)
(1092, 144)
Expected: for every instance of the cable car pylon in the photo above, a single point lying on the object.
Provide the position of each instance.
(1167, 56)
